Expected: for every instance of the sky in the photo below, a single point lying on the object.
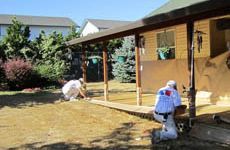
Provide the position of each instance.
(79, 10)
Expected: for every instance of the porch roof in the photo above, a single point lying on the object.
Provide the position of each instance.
(172, 13)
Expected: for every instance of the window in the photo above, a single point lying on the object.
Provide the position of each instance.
(166, 44)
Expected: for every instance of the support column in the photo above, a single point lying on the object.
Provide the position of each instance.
(84, 62)
(138, 71)
(105, 66)
(192, 89)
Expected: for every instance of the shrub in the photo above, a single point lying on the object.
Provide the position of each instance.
(2, 75)
(18, 73)
(51, 72)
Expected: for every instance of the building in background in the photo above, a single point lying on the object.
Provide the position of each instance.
(91, 26)
(38, 24)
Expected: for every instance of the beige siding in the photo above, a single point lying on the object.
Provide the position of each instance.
(203, 26)
(150, 43)
(181, 41)
(150, 54)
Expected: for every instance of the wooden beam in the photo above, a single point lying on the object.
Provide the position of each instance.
(105, 65)
(192, 91)
(138, 71)
(84, 63)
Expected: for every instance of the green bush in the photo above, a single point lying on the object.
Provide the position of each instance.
(18, 73)
(51, 72)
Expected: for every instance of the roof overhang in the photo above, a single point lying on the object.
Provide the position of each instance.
(206, 9)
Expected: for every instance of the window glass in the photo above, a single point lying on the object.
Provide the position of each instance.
(166, 45)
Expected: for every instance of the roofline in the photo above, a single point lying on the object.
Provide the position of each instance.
(83, 26)
(99, 28)
(18, 17)
(42, 25)
(194, 12)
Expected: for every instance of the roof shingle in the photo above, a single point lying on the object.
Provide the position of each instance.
(38, 20)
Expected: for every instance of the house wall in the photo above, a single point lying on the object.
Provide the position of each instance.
(89, 29)
(217, 39)
(204, 26)
(155, 73)
(150, 53)
(35, 30)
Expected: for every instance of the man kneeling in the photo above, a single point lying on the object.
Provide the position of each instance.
(72, 89)
(167, 101)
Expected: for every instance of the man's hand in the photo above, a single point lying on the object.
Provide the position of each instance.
(87, 98)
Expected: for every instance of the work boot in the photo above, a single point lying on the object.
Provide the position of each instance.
(155, 137)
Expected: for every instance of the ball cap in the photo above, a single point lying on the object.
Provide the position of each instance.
(171, 83)
(81, 80)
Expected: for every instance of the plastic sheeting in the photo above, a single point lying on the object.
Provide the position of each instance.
(211, 75)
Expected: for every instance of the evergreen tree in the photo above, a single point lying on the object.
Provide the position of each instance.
(51, 59)
(16, 39)
(72, 34)
(124, 58)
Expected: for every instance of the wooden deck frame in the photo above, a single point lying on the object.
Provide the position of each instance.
(84, 63)
(138, 70)
(105, 70)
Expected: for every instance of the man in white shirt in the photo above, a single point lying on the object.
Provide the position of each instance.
(167, 100)
(72, 89)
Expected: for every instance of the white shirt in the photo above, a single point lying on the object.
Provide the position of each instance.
(167, 99)
(72, 84)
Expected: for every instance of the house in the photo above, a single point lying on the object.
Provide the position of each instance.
(96, 25)
(37, 24)
(195, 34)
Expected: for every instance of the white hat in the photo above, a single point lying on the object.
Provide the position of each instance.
(171, 83)
(81, 80)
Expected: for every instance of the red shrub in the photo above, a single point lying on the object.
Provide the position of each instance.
(18, 73)
(1, 71)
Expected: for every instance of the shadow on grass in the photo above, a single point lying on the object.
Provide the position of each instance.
(20, 100)
(186, 142)
(120, 139)
(208, 119)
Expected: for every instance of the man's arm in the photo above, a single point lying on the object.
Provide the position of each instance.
(82, 93)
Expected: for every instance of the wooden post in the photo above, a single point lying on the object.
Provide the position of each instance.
(84, 63)
(192, 91)
(106, 94)
(138, 71)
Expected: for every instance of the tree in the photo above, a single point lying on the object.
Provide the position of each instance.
(16, 39)
(51, 59)
(124, 61)
(72, 34)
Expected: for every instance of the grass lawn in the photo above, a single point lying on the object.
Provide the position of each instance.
(40, 120)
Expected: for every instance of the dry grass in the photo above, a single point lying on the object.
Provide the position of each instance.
(79, 124)
(40, 120)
